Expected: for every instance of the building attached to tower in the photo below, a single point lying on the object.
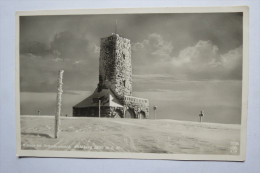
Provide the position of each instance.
(113, 95)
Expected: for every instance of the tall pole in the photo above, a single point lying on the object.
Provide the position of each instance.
(124, 111)
(154, 108)
(201, 115)
(58, 105)
(99, 108)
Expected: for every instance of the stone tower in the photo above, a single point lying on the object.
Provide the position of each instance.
(115, 69)
(113, 95)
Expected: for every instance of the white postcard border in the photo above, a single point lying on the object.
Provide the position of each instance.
(85, 154)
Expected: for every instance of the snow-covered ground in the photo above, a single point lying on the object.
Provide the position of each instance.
(129, 135)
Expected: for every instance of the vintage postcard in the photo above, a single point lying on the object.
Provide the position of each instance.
(144, 83)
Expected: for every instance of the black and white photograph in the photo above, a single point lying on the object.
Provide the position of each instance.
(155, 83)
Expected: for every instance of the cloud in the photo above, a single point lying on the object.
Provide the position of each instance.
(70, 45)
(203, 53)
(40, 62)
(38, 74)
(154, 46)
(201, 61)
(34, 47)
(232, 62)
(63, 45)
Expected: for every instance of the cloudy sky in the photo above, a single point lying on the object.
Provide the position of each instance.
(182, 63)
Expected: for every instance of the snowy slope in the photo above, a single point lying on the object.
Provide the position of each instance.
(130, 135)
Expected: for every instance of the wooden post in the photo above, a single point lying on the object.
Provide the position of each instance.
(99, 107)
(154, 108)
(58, 105)
(124, 110)
(201, 115)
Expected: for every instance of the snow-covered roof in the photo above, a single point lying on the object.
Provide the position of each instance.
(105, 95)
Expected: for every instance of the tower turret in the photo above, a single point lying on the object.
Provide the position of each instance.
(115, 69)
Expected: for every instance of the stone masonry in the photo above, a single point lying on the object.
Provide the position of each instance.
(114, 89)
(115, 69)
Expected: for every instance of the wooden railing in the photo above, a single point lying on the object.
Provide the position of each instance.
(136, 99)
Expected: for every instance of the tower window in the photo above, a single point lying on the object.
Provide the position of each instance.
(124, 83)
(123, 55)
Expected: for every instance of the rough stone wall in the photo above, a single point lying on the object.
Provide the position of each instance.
(137, 104)
(115, 69)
